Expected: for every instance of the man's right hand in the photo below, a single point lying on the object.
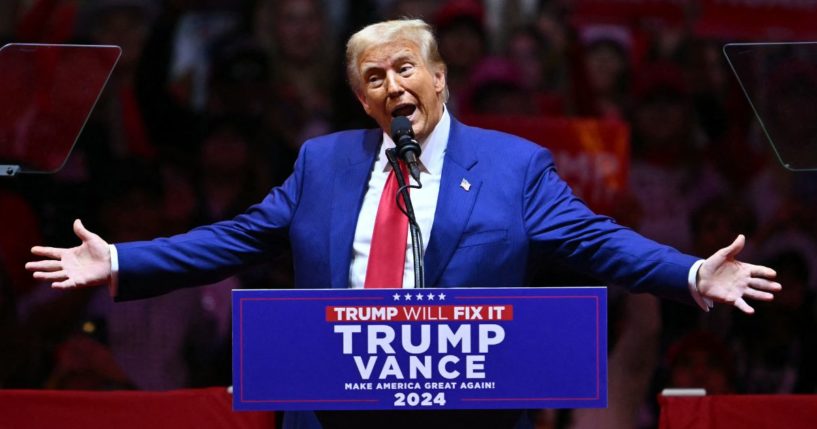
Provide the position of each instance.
(88, 264)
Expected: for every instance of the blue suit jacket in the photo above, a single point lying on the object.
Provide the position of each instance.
(480, 237)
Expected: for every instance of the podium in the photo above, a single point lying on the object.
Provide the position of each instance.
(419, 349)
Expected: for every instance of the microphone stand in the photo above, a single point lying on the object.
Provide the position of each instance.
(414, 228)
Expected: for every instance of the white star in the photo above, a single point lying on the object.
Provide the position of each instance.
(419, 297)
(407, 296)
(396, 297)
(430, 297)
(442, 297)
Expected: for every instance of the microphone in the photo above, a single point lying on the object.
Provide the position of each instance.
(407, 148)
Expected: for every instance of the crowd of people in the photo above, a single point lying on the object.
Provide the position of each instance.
(210, 102)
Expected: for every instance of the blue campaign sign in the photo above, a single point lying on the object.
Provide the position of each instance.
(381, 349)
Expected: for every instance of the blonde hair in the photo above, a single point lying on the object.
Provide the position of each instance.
(416, 31)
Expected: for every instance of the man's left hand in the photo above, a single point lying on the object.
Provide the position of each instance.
(722, 278)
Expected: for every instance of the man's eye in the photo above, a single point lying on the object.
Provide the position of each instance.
(374, 80)
(406, 69)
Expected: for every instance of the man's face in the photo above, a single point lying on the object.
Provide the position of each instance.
(396, 81)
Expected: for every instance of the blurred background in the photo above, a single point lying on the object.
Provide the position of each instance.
(211, 100)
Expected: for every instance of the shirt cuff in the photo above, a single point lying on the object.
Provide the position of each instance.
(692, 280)
(113, 285)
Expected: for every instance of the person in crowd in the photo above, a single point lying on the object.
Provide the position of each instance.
(701, 360)
(462, 43)
(170, 342)
(118, 122)
(302, 66)
(607, 68)
(665, 177)
(774, 350)
(538, 66)
(496, 87)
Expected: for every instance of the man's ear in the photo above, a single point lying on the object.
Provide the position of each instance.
(439, 79)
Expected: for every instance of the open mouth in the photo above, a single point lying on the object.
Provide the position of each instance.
(403, 110)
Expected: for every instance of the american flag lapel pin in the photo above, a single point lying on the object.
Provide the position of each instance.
(465, 185)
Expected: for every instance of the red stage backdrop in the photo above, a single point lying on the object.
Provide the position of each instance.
(738, 412)
(177, 409)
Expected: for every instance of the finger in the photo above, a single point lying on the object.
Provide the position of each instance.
(758, 295)
(728, 252)
(53, 276)
(766, 285)
(761, 271)
(48, 252)
(733, 249)
(743, 306)
(65, 284)
(81, 232)
(49, 265)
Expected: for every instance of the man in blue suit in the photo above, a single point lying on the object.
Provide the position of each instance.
(487, 200)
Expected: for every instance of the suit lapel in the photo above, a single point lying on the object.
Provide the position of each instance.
(349, 187)
(454, 203)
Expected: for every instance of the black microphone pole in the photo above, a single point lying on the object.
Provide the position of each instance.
(408, 210)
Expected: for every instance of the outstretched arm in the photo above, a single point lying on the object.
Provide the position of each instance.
(88, 264)
(722, 278)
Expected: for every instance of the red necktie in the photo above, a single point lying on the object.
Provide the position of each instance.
(387, 257)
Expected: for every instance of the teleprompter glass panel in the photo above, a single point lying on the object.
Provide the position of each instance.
(47, 93)
(780, 82)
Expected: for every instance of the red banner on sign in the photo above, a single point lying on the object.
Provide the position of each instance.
(421, 313)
